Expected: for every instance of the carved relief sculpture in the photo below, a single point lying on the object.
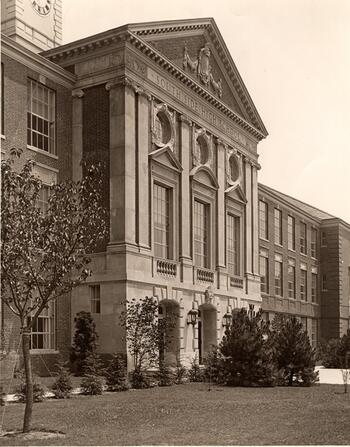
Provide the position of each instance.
(233, 168)
(202, 68)
(163, 126)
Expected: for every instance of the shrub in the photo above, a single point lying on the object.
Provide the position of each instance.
(115, 374)
(93, 380)
(165, 375)
(246, 354)
(139, 379)
(38, 390)
(180, 373)
(62, 386)
(213, 366)
(195, 373)
(2, 396)
(293, 354)
(327, 353)
(85, 340)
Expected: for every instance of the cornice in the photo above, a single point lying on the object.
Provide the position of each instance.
(36, 62)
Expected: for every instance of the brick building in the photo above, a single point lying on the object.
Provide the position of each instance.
(165, 107)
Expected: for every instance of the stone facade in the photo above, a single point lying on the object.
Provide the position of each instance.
(164, 107)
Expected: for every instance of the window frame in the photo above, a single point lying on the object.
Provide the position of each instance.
(278, 229)
(51, 333)
(2, 102)
(263, 255)
(207, 230)
(293, 282)
(237, 229)
(169, 218)
(291, 232)
(51, 123)
(303, 238)
(278, 287)
(313, 243)
(263, 220)
(95, 298)
(303, 284)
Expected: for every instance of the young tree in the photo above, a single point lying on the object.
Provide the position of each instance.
(293, 354)
(146, 335)
(44, 254)
(84, 341)
(246, 354)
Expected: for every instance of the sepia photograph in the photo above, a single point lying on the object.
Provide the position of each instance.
(175, 222)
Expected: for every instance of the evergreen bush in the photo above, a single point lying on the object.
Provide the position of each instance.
(115, 374)
(84, 342)
(38, 390)
(139, 379)
(2, 396)
(165, 375)
(62, 386)
(181, 373)
(246, 356)
(213, 366)
(93, 380)
(194, 373)
(293, 354)
(327, 353)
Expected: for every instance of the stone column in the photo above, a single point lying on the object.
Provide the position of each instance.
(221, 176)
(143, 210)
(248, 216)
(185, 204)
(77, 133)
(122, 162)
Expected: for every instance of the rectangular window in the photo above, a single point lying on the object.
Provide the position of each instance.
(263, 220)
(291, 281)
(303, 238)
(278, 278)
(314, 243)
(233, 245)
(95, 299)
(41, 117)
(2, 100)
(323, 238)
(264, 272)
(43, 202)
(161, 222)
(278, 226)
(291, 233)
(324, 282)
(43, 332)
(313, 287)
(201, 234)
(314, 332)
(303, 285)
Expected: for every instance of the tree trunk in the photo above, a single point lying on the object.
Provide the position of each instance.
(29, 382)
(291, 374)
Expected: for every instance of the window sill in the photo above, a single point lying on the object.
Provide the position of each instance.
(40, 151)
(279, 245)
(263, 239)
(291, 249)
(2, 137)
(44, 351)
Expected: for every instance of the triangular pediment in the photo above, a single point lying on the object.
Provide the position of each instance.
(236, 193)
(197, 47)
(166, 157)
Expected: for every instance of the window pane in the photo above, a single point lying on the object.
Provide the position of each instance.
(200, 234)
(161, 222)
(263, 220)
(233, 245)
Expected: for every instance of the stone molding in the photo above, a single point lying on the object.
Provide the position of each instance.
(77, 93)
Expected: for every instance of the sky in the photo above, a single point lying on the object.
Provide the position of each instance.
(294, 58)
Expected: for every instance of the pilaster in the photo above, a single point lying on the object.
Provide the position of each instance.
(143, 199)
(185, 218)
(255, 220)
(77, 133)
(122, 162)
(248, 216)
(220, 231)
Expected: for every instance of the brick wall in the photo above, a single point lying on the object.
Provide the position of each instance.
(96, 139)
(15, 131)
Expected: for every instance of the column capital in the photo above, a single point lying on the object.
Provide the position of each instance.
(141, 92)
(117, 82)
(77, 93)
(185, 119)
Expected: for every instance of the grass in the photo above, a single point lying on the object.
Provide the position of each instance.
(191, 415)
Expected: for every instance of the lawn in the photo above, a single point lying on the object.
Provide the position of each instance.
(190, 414)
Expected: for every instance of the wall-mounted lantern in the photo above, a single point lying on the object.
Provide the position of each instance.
(192, 317)
(227, 319)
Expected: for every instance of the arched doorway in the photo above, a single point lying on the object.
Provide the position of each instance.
(207, 332)
(170, 348)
